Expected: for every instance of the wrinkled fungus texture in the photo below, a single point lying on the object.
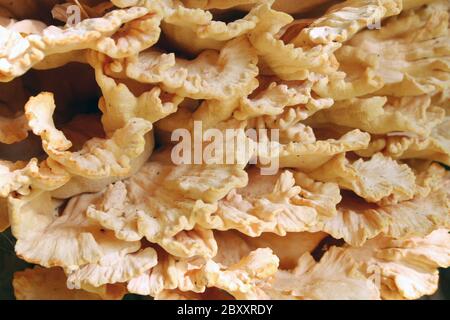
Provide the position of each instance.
(349, 99)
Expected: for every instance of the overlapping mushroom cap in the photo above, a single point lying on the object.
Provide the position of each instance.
(110, 188)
